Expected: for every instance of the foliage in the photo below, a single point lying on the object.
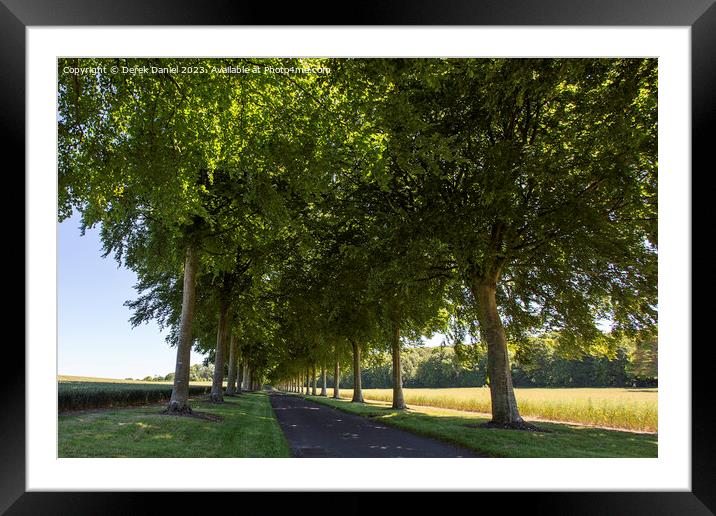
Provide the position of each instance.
(541, 364)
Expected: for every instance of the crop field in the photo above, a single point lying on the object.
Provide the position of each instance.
(81, 393)
(626, 409)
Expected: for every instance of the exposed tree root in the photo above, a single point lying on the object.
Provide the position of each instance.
(174, 409)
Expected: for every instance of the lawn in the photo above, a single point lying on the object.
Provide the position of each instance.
(627, 409)
(449, 425)
(247, 428)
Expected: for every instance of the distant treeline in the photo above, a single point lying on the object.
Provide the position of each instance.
(197, 373)
(442, 367)
(435, 367)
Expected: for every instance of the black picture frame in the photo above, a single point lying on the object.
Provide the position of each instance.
(699, 15)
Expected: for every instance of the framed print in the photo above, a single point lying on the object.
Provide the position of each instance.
(49, 52)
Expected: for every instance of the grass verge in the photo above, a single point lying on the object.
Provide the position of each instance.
(448, 425)
(245, 426)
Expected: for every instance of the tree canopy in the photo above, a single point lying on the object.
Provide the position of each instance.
(283, 220)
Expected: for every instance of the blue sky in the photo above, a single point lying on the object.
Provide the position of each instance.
(95, 337)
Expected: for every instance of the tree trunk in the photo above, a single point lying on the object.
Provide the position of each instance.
(313, 378)
(308, 381)
(179, 401)
(398, 399)
(323, 377)
(231, 378)
(357, 390)
(337, 380)
(217, 385)
(504, 404)
(239, 371)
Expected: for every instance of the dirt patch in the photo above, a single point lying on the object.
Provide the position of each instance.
(522, 426)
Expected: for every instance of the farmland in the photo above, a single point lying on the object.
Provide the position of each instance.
(627, 409)
(82, 393)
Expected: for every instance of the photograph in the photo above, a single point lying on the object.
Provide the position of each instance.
(357, 257)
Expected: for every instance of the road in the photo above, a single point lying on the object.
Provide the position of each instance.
(315, 430)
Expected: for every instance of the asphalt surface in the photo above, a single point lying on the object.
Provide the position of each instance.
(315, 430)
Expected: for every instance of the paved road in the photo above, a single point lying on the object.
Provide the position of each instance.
(315, 430)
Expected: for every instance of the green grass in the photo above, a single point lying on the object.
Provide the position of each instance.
(449, 425)
(627, 409)
(81, 393)
(248, 429)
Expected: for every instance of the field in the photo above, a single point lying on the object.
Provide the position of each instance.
(240, 427)
(459, 427)
(246, 426)
(82, 393)
(626, 409)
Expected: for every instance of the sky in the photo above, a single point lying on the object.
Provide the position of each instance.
(95, 337)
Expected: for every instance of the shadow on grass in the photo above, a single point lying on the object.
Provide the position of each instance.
(560, 440)
(240, 427)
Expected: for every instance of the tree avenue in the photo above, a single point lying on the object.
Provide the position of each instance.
(291, 226)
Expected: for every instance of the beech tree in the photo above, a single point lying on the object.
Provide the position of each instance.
(540, 178)
(131, 149)
(138, 153)
(234, 361)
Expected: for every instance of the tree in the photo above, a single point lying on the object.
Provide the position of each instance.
(643, 358)
(130, 155)
(540, 178)
(140, 155)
